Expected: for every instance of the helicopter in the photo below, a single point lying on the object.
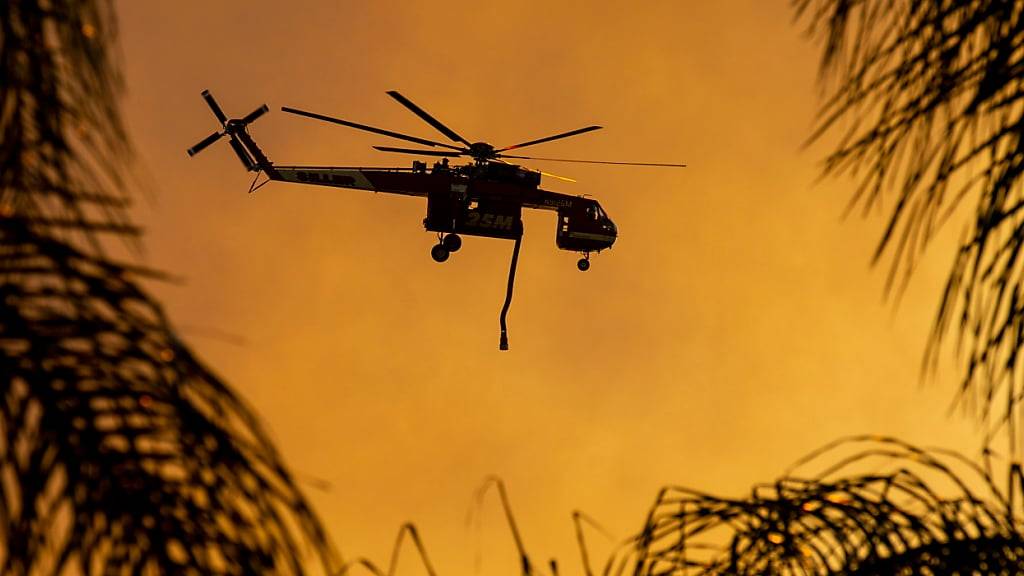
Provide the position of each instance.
(482, 198)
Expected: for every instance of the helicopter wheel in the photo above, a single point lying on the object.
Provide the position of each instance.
(583, 264)
(439, 253)
(452, 242)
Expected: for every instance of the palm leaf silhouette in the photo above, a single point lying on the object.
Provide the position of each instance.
(927, 98)
(859, 505)
(880, 507)
(119, 450)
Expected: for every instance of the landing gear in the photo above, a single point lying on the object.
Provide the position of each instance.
(452, 242)
(446, 244)
(583, 263)
(439, 253)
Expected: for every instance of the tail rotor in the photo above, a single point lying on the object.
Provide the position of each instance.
(234, 129)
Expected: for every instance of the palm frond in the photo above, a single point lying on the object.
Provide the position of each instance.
(120, 452)
(859, 505)
(880, 507)
(928, 98)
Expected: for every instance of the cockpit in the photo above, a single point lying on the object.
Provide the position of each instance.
(584, 227)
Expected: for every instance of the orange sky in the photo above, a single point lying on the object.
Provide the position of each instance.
(734, 326)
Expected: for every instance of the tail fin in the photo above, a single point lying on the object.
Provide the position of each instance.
(245, 148)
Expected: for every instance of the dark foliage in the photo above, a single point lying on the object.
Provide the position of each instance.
(861, 505)
(119, 451)
(928, 98)
(881, 507)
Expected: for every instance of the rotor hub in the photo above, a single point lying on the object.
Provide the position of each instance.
(481, 151)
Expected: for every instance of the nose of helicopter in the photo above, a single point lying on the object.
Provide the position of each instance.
(612, 229)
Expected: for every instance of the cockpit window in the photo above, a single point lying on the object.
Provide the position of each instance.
(592, 212)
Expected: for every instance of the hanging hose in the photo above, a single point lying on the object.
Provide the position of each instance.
(503, 345)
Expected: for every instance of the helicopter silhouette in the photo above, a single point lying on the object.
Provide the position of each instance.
(483, 198)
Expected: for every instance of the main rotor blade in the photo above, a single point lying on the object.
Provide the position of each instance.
(380, 131)
(213, 106)
(427, 117)
(541, 172)
(423, 152)
(255, 114)
(596, 161)
(204, 143)
(550, 138)
(550, 175)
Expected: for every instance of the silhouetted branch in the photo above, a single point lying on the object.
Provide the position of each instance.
(524, 559)
(578, 519)
(408, 528)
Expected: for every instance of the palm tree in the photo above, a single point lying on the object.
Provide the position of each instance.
(119, 450)
(927, 98)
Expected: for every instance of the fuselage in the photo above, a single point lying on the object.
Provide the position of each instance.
(476, 200)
